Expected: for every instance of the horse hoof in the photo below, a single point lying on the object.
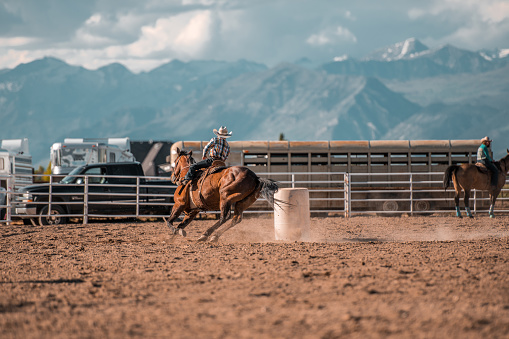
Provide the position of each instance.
(173, 230)
(182, 232)
(492, 216)
(202, 238)
(471, 216)
(214, 239)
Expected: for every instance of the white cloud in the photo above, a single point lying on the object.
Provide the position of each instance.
(84, 39)
(195, 35)
(478, 35)
(199, 2)
(493, 11)
(154, 31)
(16, 41)
(94, 20)
(184, 35)
(318, 39)
(478, 24)
(350, 16)
(331, 36)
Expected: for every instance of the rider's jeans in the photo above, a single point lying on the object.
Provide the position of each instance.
(196, 166)
(493, 169)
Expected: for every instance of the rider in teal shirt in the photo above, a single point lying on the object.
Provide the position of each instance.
(483, 156)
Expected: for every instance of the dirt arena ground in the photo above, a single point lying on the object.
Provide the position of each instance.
(362, 277)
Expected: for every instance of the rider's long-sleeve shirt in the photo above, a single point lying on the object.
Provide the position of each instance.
(483, 154)
(217, 148)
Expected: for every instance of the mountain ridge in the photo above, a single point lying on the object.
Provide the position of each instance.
(48, 100)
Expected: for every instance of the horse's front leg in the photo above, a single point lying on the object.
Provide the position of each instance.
(187, 220)
(493, 199)
(175, 213)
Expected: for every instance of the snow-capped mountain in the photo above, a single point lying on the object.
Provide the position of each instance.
(410, 48)
(494, 53)
(412, 60)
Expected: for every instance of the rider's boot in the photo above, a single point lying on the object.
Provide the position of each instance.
(187, 178)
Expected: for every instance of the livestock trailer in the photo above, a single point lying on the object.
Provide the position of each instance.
(382, 173)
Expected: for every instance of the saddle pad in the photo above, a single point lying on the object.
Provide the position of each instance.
(210, 170)
(481, 167)
(218, 163)
(217, 169)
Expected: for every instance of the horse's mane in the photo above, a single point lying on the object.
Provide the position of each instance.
(505, 161)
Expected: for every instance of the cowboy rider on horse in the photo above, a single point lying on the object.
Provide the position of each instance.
(483, 157)
(217, 149)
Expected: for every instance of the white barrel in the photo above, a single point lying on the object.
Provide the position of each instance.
(291, 214)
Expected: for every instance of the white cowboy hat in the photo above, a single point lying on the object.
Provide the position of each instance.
(486, 139)
(223, 132)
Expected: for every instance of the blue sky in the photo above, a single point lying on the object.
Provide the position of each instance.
(145, 34)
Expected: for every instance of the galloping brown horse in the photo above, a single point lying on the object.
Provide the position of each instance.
(219, 189)
(468, 177)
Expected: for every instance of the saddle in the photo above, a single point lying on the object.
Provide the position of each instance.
(482, 168)
(217, 166)
(197, 183)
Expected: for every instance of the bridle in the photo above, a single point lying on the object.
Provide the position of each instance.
(176, 177)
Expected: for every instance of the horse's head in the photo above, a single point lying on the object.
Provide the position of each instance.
(181, 166)
(504, 162)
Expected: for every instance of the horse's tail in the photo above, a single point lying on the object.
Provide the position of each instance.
(267, 189)
(448, 175)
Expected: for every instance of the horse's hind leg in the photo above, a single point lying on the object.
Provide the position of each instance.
(235, 220)
(457, 203)
(466, 200)
(224, 216)
(238, 209)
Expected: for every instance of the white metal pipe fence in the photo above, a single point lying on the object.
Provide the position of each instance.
(340, 193)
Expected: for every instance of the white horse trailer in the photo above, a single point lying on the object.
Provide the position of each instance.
(74, 152)
(15, 169)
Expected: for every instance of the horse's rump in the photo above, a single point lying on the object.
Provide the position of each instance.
(205, 193)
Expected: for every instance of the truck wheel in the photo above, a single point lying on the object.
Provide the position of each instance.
(422, 206)
(390, 206)
(55, 217)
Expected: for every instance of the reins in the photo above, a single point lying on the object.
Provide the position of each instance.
(179, 178)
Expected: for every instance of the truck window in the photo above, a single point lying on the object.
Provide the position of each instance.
(95, 171)
(129, 171)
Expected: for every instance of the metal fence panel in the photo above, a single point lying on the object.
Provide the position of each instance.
(343, 193)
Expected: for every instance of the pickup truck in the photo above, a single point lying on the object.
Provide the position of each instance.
(102, 189)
